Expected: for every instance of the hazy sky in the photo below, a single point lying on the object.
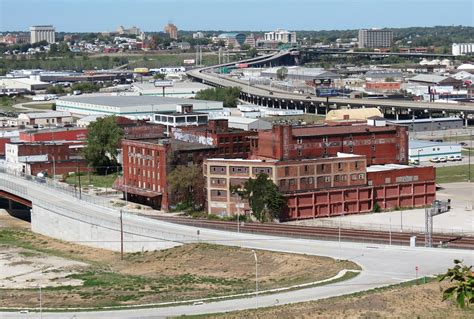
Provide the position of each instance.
(152, 15)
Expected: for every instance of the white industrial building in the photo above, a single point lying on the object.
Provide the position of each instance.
(254, 111)
(135, 107)
(179, 89)
(247, 124)
(45, 118)
(427, 150)
(462, 48)
(40, 33)
(281, 35)
(27, 84)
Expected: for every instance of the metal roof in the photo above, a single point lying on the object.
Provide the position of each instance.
(422, 143)
(45, 115)
(433, 78)
(130, 101)
(387, 167)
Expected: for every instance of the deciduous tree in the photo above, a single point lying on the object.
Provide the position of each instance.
(462, 278)
(263, 196)
(186, 187)
(103, 140)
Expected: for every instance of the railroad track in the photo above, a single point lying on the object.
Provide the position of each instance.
(326, 233)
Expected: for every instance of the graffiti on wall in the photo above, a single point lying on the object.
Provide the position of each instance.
(178, 134)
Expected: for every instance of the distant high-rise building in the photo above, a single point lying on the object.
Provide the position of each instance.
(463, 48)
(42, 33)
(281, 35)
(375, 38)
(172, 31)
(251, 40)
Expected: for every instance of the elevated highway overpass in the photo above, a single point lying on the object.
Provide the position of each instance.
(269, 97)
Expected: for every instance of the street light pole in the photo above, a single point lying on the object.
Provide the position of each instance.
(256, 278)
(469, 156)
(390, 230)
(121, 234)
(40, 302)
(238, 214)
(401, 220)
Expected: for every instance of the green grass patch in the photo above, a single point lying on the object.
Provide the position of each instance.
(92, 179)
(6, 103)
(453, 174)
(43, 106)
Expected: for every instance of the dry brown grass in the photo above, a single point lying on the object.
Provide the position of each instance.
(180, 273)
(416, 301)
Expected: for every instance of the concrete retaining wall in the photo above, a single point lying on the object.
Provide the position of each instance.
(101, 231)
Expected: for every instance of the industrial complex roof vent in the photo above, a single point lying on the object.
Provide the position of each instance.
(184, 108)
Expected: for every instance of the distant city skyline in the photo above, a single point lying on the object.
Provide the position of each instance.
(255, 15)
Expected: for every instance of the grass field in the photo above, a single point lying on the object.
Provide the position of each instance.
(453, 174)
(407, 300)
(6, 103)
(42, 106)
(181, 273)
(95, 180)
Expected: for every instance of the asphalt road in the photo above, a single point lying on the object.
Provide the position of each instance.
(382, 265)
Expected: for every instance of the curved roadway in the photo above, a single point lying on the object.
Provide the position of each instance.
(382, 265)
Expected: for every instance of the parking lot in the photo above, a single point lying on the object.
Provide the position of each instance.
(459, 220)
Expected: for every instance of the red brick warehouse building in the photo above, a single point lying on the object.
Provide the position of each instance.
(384, 144)
(309, 164)
(147, 162)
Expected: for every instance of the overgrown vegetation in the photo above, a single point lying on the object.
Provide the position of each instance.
(462, 281)
(103, 140)
(186, 188)
(263, 197)
(229, 96)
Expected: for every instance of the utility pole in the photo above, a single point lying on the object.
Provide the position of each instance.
(40, 302)
(469, 156)
(79, 177)
(256, 278)
(121, 234)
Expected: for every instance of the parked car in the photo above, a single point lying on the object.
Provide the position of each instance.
(451, 158)
(443, 159)
(458, 157)
(414, 161)
(434, 159)
(463, 144)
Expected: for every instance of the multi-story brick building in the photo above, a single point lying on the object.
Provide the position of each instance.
(50, 157)
(380, 143)
(321, 187)
(54, 134)
(230, 143)
(324, 170)
(146, 163)
(289, 175)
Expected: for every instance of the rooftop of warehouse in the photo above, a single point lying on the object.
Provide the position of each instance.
(130, 100)
(423, 143)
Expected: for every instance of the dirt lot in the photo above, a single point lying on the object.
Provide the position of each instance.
(403, 301)
(23, 268)
(186, 272)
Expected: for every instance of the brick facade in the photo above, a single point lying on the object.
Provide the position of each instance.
(321, 187)
(380, 144)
